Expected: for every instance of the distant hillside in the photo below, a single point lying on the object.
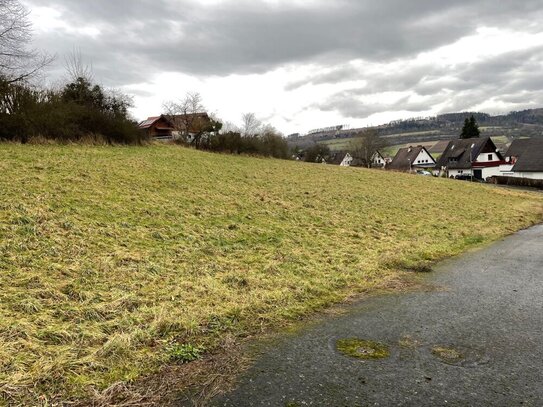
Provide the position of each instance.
(527, 123)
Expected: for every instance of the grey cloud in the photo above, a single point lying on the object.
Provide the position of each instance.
(513, 78)
(334, 75)
(138, 39)
(251, 37)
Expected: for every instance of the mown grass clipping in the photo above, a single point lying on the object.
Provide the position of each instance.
(115, 261)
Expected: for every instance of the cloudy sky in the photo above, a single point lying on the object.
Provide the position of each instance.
(304, 64)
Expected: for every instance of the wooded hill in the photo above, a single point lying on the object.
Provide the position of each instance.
(527, 123)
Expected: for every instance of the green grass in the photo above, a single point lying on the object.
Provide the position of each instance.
(339, 144)
(391, 150)
(117, 261)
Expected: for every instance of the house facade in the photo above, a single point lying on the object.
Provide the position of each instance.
(476, 157)
(347, 160)
(157, 128)
(524, 159)
(175, 127)
(343, 159)
(378, 160)
(411, 159)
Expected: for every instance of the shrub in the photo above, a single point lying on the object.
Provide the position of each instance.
(72, 114)
(268, 144)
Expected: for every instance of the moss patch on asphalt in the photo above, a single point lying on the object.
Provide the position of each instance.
(447, 354)
(363, 349)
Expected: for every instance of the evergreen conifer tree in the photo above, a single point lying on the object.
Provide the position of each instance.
(470, 129)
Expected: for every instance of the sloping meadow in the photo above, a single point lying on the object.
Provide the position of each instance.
(115, 261)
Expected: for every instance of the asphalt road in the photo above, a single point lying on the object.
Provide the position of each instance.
(477, 341)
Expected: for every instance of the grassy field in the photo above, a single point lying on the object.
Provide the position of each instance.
(339, 144)
(391, 151)
(346, 143)
(117, 261)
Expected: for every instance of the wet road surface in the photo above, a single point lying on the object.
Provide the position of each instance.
(477, 341)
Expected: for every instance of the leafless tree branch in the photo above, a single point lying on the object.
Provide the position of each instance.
(18, 62)
(76, 68)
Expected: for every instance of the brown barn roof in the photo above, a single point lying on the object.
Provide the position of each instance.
(150, 121)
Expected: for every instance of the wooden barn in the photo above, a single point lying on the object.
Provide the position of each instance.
(158, 128)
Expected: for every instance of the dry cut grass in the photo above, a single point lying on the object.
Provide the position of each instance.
(115, 262)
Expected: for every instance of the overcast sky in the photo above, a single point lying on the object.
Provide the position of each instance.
(304, 64)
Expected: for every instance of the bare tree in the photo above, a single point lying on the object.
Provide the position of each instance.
(76, 68)
(189, 117)
(17, 61)
(229, 127)
(366, 144)
(250, 125)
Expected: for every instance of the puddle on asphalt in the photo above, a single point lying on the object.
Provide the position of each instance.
(362, 349)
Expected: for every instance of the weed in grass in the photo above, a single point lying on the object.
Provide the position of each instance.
(184, 353)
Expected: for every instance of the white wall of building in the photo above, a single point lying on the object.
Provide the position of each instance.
(506, 170)
(491, 172)
(531, 175)
(424, 160)
(347, 161)
(488, 157)
(454, 173)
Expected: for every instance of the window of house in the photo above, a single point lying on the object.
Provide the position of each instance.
(490, 157)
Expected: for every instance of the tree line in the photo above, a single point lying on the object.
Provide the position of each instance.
(362, 147)
(251, 137)
(72, 111)
(80, 109)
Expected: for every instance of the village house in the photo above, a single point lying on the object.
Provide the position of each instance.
(175, 127)
(378, 160)
(190, 124)
(524, 159)
(343, 159)
(412, 158)
(475, 157)
(157, 128)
